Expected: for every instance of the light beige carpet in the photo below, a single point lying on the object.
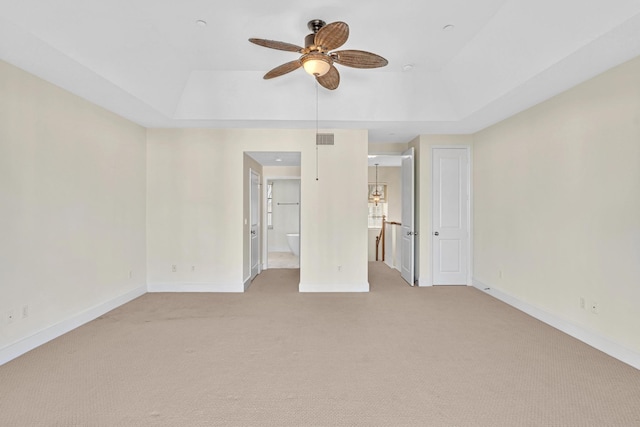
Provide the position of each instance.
(397, 356)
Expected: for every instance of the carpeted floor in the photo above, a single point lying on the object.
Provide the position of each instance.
(397, 356)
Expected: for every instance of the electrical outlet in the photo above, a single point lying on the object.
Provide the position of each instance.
(193, 268)
(130, 274)
(25, 311)
(594, 307)
(582, 303)
(174, 268)
(500, 274)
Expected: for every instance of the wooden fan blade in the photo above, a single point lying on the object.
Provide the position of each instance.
(331, 80)
(358, 59)
(283, 69)
(277, 45)
(332, 36)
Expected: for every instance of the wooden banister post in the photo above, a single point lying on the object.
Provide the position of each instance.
(384, 226)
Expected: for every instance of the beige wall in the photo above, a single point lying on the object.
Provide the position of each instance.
(196, 208)
(72, 186)
(557, 205)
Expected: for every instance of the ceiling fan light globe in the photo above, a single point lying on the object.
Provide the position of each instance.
(316, 65)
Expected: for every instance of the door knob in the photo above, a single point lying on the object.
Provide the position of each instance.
(253, 232)
(436, 233)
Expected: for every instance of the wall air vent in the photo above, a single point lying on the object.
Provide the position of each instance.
(324, 139)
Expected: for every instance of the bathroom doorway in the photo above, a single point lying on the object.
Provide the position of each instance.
(282, 222)
(281, 208)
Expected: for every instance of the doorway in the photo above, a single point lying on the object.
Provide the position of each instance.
(280, 208)
(282, 221)
(392, 238)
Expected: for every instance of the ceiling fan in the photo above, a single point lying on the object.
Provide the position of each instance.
(317, 59)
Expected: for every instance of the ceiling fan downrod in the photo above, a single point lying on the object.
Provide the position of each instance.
(314, 25)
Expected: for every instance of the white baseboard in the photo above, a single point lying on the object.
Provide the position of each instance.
(246, 284)
(603, 344)
(195, 287)
(424, 282)
(391, 265)
(334, 287)
(24, 345)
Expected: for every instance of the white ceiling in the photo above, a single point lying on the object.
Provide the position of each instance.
(150, 62)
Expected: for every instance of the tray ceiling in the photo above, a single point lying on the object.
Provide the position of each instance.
(152, 63)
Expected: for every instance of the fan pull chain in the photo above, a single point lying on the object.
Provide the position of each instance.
(317, 130)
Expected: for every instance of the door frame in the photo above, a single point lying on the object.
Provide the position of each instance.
(259, 231)
(469, 151)
(412, 210)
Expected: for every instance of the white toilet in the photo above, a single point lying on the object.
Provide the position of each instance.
(294, 243)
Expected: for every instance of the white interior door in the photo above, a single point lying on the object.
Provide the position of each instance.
(255, 223)
(407, 263)
(450, 216)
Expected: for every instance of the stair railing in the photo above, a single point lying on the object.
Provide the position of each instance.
(381, 237)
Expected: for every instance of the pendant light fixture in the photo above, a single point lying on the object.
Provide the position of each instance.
(376, 193)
